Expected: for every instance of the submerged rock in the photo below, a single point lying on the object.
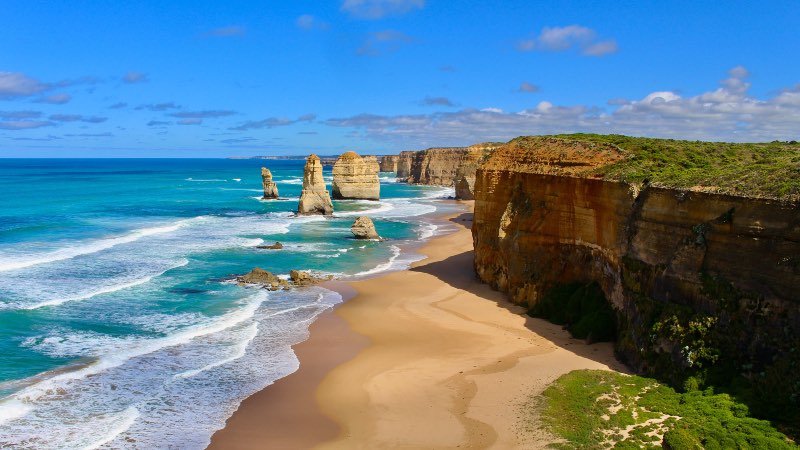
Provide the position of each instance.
(264, 278)
(355, 177)
(363, 228)
(314, 198)
(276, 246)
(270, 188)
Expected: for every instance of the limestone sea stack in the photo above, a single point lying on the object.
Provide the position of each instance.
(270, 188)
(363, 228)
(355, 177)
(314, 198)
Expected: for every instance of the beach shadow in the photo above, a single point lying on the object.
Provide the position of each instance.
(463, 219)
(458, 272)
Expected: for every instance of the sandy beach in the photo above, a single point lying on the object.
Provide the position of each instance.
(423, 358)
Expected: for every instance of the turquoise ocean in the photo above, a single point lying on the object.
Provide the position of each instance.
(119, 325)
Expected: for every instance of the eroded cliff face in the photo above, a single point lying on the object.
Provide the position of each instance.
(404, 160)
(699, 281)
(355, 177)
(389, 163)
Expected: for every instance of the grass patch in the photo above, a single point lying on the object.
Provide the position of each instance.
(770, 169)
(583, 308)
(592, 409)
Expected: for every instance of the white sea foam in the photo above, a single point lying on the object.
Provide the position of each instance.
(396, 262)
(101, 291)
(237, 179)
(115, 424)
(427, 230)
(142, 347)
(238, 351)
(88, 247)
(12, 409)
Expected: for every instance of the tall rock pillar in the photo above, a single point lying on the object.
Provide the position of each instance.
(314, 198)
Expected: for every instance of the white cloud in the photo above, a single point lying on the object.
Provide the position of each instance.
(377, 9)
(229, 31)
(55, 99)
(134, 77)
(559, 39)
(15, 84)
(728, 113)
(528, 87)
(308, 22)
(24, 124)
(383, 42)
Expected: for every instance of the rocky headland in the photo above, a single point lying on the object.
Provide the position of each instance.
(702, 279)
(314, 198)
(355, 177)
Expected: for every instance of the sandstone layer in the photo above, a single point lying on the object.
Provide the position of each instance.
(700, 282)
(389, 163)
(314, 198)
(447, 167)
(355, 177)
(363, 228)
(270, 188)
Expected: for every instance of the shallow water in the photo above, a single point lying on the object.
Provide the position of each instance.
(119, 325)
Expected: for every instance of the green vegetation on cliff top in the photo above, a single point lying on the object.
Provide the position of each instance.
(594, 409)
(770, 169)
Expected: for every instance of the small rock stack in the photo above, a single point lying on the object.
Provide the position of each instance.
(270, 188)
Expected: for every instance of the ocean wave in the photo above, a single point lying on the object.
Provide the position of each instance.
(206, 181)
(86, 248)
(238, 352)
(123, 350)
(105, 290)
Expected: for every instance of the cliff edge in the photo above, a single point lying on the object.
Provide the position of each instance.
(704, 281)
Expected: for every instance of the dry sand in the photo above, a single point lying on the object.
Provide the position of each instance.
(449, 364)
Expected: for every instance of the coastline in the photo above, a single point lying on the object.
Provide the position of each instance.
(424, 357)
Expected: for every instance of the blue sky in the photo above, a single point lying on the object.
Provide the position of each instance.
(209, 78)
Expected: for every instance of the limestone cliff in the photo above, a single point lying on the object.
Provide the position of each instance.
(389, 163)
(404, 160)
(373, 163)
(355, 177)
(701, 283)
(314, 198)
(270, 188)
(455, 166)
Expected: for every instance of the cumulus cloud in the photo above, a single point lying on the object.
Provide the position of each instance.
(559, 39)
(308, 22)
(378, 9)
(15, 84)
(229, 31)
(77, 118)
(55, 99)
(208, 114)
(383, 42)
(134, 77)
(528, 87)
(158, 106)
(272, 122)
(436, 101)
(728, 113)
